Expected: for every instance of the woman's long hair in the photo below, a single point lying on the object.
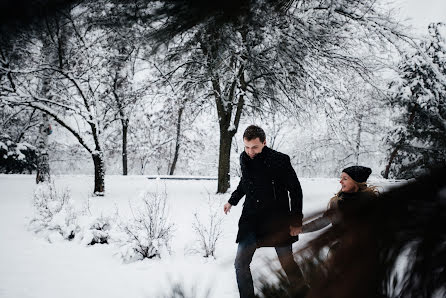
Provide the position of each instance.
(362, 187)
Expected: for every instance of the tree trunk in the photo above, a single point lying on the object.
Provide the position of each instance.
(226, 135)
(177, 142)
(43, 167)
(391, 158)
(358, 140)
(224, 159)
(125, 127)
(225, 112)
(99, 173)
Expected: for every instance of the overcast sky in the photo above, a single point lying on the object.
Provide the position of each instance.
(422, 12)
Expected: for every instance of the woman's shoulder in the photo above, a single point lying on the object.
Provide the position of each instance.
(367, 194)
(333, 202)
(358, 199)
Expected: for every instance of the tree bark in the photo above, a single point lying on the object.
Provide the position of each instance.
(358, 140)
(125, 127)
(225, 111)
(43, 167)
(99, 173)
(226, 135)
(224, 159)
(177, 142)
(124, 120)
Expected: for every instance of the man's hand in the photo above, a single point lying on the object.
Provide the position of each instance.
(294, 231)
(227, 207)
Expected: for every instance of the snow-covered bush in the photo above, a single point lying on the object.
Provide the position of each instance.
(55, 216)
(207, 225)
(96, 230)
(16, 157)
(148, 232)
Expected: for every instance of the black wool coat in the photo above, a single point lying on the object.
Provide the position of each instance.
(273, 199)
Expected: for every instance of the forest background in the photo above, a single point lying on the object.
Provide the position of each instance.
(150, 87)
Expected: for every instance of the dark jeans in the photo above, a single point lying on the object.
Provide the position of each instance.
(245, 252)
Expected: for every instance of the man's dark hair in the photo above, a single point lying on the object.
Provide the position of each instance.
(252, 132)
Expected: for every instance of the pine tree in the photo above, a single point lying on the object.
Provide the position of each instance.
(419, 138)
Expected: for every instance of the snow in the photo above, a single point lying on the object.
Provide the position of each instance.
(181, 177)
(20, 155)
(33, 267)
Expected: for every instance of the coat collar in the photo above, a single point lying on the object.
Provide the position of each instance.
(264, 155)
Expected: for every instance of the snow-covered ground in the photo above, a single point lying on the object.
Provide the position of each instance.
(30, 266)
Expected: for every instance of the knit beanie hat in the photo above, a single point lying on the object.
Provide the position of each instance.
(358, 173)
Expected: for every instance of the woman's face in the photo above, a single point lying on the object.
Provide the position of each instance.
(348, 184)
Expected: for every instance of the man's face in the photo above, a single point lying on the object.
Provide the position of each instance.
(253, 147)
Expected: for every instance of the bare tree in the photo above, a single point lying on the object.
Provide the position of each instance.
(74, 98)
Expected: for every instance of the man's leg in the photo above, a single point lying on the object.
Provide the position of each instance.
(289, 265)
(245, 251)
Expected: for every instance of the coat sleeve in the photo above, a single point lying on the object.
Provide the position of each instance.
(331, 216)
(295, 193)
(237, 194)
(317, 224)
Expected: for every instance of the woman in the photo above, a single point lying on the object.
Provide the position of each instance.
(354, 194)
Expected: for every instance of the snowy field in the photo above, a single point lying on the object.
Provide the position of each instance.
(30, 266)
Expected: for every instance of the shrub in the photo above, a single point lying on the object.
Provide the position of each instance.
(16, 158)
(207, 225)
(55, 216)
(96, 230)
(148, 232)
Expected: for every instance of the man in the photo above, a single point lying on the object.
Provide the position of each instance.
(272, 212)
